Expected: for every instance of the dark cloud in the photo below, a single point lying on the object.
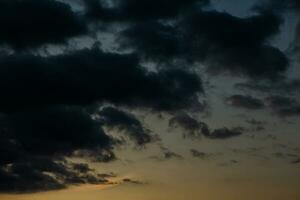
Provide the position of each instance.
(56, 130)
(290, 111)
(278, 5)
(115, 118)
(17, 181)
(51, 131)
(43, 173)
(201, 155)
(282, 7)
(154, 41)
(97, 155)
(33, 144)
(193, 127)
(225, 133)
(81, 167)
(238, 45)
(170, 154)
(96, 10)
(47, 103)
(223, 42)
(196, 128)
(296, 161)
(256, 125)
(228, 163)
(279, 101)
(283, 106)
(167, 154)
(134, 10)
(247, 102)
(89, 75)
(157, 9)
(255, 122)
(280, 87)
(230, 45)
(30, 23)
(128, 180)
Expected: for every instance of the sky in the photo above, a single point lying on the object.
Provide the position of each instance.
(149, 100)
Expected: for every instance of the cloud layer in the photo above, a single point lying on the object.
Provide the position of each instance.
(49, 105)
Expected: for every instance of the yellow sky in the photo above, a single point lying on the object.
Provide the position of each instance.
(256, 176)
(185, 180)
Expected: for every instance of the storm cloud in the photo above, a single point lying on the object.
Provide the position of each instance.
(31, 24)
(225, 43)
(86, 76)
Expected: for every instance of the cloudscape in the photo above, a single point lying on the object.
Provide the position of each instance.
(149, 99)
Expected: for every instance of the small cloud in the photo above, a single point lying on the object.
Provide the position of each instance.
(202, 155)
(225, 133)
(126, 122)
(283, 106)
(131, 181)
(296, 161)
(246, 102)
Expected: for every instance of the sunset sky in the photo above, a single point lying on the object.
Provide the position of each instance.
(149, 99)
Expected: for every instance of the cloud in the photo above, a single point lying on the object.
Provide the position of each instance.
(115, 118)
(283, 7)
(223, 42)
(279, 101)
(87, 76)
(97, 155)
(202, 155)
(156, 9)
(51, 131)
(128, 180)
(193, 127)
(57, 129)
(31, 24)
(247, 102)
(166, 154)
(42, 173)
(225, 133)
(170, 154)
(296, 161)
(279, 5)
(34, 143)
(256, 125)
(283, 106)
(47, 101)
(279, 87)
(197, 129)
(81, 167)
(18, 181)
(134, 10)
(255, 122)
(162, 32)
(95, 10)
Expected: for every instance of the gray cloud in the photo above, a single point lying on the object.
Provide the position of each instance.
(247, 102)
(115, 118)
